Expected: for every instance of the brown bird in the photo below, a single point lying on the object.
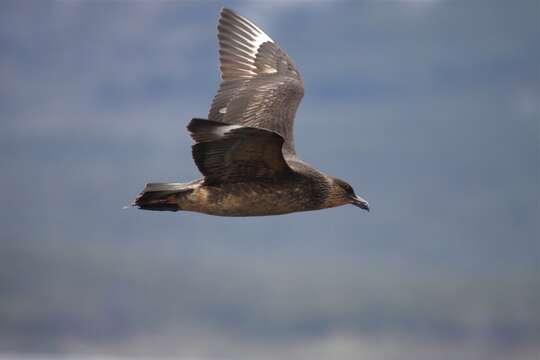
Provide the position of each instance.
(245, 149)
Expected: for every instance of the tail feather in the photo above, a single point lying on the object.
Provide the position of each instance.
(161, 196)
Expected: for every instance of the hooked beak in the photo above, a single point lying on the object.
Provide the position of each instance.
(361, 203)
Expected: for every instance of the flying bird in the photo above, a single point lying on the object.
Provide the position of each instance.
(245, 149)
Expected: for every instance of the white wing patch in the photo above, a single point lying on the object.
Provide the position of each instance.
(267, 69)
(261, 36)
(222, 130)
(240, 40)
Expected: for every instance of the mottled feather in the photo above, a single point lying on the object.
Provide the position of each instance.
(233, 153)
(260, 85)
(245, 150)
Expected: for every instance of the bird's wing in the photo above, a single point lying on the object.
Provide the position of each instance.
(260, 86)
(234, 153)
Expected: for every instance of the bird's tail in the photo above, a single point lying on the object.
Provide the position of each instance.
(161, 196)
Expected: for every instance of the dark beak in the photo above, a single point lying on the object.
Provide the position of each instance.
(361, 203)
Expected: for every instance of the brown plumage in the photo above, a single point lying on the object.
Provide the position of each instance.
(245, 149)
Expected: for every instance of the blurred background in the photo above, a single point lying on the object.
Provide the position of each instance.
(430, 109)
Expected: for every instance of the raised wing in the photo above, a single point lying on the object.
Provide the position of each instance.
(234, 153)
(260, 86)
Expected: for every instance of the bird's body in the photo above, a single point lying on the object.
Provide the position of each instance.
(304, 189)
(245, 149)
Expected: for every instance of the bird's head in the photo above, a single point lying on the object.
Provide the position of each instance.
(343, 193)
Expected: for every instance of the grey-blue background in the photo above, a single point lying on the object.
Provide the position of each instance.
(430, 109)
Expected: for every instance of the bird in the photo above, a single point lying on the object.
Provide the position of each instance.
(245, 148)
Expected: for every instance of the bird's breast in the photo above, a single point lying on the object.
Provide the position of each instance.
(250, 199)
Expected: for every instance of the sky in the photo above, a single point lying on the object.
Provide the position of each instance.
(429, 109)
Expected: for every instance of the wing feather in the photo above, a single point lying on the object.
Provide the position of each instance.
(260, 85)
(234, 153)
